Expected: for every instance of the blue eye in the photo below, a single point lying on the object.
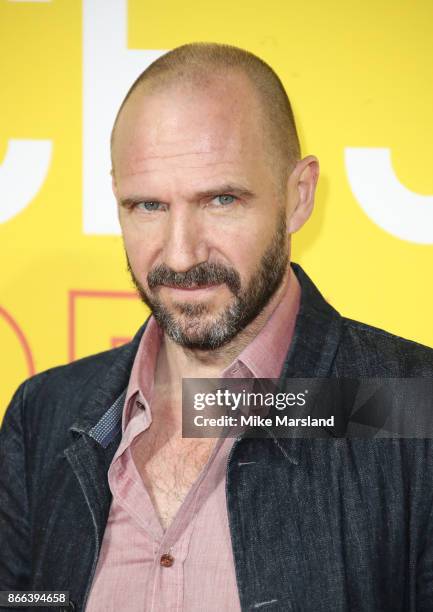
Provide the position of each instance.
(149, 206)
(225, 200)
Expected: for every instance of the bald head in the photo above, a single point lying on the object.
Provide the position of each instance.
(237, 78)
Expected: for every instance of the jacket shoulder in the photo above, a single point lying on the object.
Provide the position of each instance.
(55, 398)
(375, 352)
(85, 371)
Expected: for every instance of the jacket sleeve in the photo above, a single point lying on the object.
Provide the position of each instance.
(15, 549)
(424, 600)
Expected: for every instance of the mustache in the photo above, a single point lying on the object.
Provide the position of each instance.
(203, 274)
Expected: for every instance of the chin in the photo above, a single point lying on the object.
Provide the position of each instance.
(200, 333)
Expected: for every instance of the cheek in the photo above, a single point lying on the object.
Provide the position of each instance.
(137, 234)
(242, 248)
(141, 254)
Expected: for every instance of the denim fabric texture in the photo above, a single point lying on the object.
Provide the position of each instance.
(317, 525)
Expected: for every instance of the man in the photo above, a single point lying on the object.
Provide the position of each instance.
(100, 494)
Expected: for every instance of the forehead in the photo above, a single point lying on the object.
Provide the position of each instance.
(184, 126)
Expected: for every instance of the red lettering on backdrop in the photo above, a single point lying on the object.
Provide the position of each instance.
(119, 341)
(74, 295)
(21, 339)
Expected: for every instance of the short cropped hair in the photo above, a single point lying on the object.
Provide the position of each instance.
(200, 61)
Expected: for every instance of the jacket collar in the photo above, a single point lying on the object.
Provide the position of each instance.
(317, 334)
(312, 352)
(103, 405)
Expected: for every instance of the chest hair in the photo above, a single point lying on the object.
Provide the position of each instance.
(168, 466)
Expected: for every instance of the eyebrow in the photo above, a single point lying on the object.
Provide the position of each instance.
(226, 188)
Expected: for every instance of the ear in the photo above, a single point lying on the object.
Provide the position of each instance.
(301, 190)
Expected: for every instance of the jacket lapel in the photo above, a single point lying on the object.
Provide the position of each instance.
(259, 471)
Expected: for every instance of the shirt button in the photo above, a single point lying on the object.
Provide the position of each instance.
(166, 560)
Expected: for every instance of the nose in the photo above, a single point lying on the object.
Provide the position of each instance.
(184, 242)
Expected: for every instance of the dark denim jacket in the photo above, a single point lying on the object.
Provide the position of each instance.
(324, 525)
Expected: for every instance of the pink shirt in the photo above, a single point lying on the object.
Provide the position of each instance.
(129, 575)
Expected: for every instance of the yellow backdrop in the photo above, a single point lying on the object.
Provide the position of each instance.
(359, 76)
